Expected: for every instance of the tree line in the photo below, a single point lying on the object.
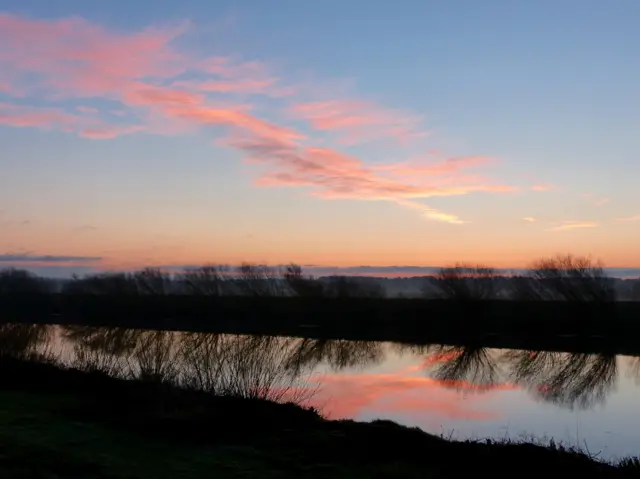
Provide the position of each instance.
(560, 278)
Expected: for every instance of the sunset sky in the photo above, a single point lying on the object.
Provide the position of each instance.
(332, 133)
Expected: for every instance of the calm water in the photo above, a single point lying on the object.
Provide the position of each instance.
(578, 399)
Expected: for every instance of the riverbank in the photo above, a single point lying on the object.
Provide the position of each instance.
(543, 325)
(68, 423)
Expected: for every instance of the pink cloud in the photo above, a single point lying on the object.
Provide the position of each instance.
(57, 119)
(238, 119)
(331, 174)
(75, 58)
(108, 132)
(449, 165)
(82, 58)
(629, 218)
(358, 121)
(347, 396)
(46, 118)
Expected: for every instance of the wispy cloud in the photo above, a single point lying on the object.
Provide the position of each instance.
(331, 174)
(529, 219)
(359, 121)
(108, 132)
(173, 91)
(629, 218)
(32, 258)
(572, 225)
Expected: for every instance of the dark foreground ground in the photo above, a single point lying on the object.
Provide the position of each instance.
(57, 423)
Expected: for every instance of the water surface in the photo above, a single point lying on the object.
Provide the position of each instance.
(588, 400)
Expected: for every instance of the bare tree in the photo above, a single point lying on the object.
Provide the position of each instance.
(153, 281)
(260, 280)
(565, 278)
(466, 282)
(208, 280)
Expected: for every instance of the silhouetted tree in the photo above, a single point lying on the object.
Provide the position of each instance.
(153, 281)
(464, 282)
(564, 278)
(208, 280)
(260, 280)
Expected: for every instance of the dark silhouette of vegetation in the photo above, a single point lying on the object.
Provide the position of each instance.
(301, 285)
(208, 280)
(565, 278)
(17, 281)
(259, 280)
(343, 287)
(464, 282)
(112, 284)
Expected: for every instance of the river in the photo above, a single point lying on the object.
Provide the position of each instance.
(585, 400)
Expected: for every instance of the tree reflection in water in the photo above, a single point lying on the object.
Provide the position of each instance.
(278, 368)
(243, 366)
(571, 380)
(337, 354)
(472, 368)
(24, 341)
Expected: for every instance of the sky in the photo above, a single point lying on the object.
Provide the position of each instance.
(334, 134)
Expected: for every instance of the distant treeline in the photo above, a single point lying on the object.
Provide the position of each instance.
(561, 278)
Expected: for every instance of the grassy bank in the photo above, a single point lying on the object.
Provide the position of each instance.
(551, 325)
(66, 423)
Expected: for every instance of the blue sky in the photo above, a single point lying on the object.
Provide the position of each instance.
(330, 133)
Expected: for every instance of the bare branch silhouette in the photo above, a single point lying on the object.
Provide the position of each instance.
(464, 282)
(565, 278)
(260, 280)
(208, 280)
